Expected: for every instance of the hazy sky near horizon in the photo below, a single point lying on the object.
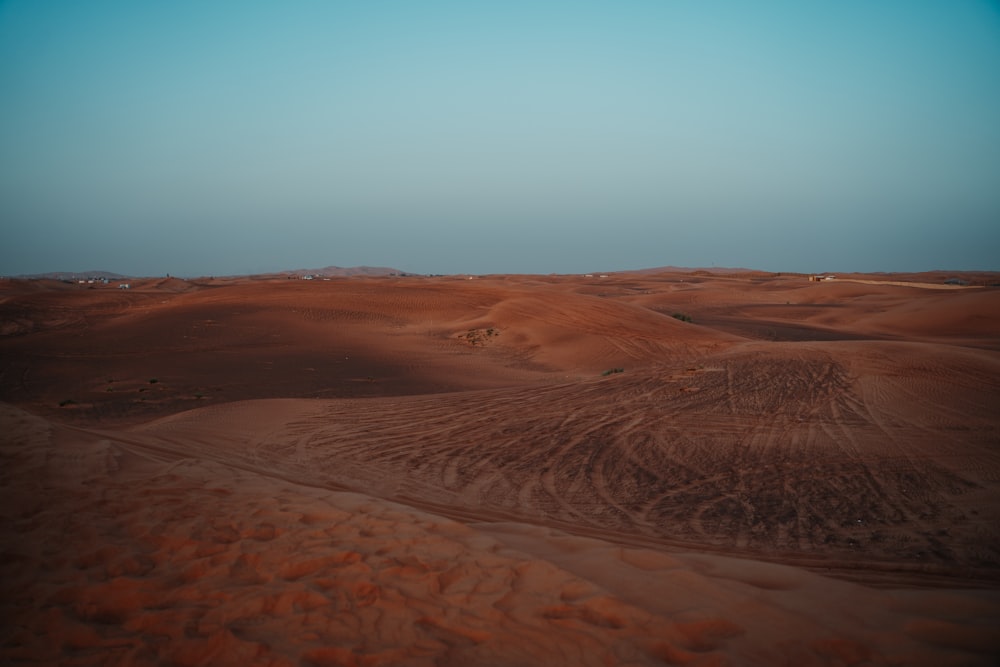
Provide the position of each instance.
(199, 137)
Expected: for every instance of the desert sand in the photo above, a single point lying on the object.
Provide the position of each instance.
(650, 468)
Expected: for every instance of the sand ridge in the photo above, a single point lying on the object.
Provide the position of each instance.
(831, 456)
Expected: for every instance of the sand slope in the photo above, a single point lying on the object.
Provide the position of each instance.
(840, 455)
(447, 472)
(114, 556)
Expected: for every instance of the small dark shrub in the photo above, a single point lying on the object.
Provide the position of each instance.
(480, 337)
(682, 317)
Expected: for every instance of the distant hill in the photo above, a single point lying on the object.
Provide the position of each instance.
(326, 272)
(339, 271)
(72, 275)
(717, 270)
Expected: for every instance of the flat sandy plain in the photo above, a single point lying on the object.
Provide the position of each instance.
(504, 470)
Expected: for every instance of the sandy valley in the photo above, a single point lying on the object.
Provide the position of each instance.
(650, 468)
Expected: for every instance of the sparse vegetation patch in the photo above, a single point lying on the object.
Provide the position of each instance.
(478, 337)
(682, 317)
(612, 371)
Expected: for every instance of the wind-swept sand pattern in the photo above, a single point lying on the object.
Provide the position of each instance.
(440, 472)
(130, 559)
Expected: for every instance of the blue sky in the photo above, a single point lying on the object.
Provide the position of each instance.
(198, 138)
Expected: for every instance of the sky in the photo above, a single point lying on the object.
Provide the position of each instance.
(217, 138)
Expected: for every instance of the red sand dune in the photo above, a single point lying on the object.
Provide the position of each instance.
(417, 471)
